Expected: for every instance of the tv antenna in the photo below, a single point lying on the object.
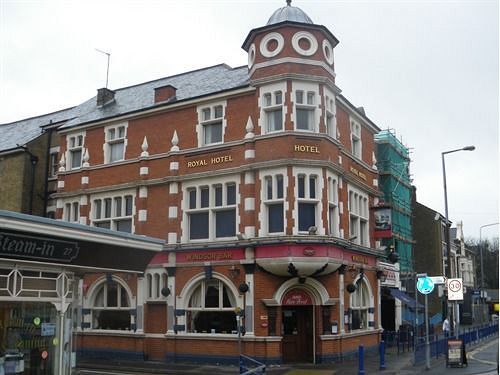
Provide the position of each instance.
(107, 70)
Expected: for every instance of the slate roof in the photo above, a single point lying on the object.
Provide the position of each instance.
(23, 131)
(140, 97)
(189, 85)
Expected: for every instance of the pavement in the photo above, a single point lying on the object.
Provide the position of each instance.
(482, 359)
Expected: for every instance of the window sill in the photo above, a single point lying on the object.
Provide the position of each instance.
(108, 332)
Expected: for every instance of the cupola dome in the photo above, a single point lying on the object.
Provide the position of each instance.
(289, 13)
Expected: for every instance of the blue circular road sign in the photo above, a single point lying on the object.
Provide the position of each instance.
(425, 285)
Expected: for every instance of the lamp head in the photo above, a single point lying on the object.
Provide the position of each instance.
(469, 148)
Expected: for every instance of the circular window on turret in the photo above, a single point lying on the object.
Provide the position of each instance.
(304, 43)
(251, 56)
(328, 51)
(271, 44)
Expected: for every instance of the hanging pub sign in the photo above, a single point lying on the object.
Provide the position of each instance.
(383, 222)
(296, 297)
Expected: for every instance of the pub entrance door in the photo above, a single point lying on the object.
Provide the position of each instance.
(297, 344)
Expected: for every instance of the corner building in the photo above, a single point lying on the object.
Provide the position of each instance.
(260, 179)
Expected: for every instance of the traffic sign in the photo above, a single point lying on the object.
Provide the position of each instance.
(438, 279)
(455, 290)
(425, 285)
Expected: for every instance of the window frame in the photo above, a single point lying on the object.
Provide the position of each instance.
(356, 142)
(122, 290)
(206, 203)
(71, 211)
(204, 122)
(333, 205)
(101, 213)
(307, 197)
(306, 100)
(273, 195)
(111, 142)
(272, 106)
(330, 114)
(359, 216)
(363, 288)
(53, 162)
(200, 283)
(72, 147)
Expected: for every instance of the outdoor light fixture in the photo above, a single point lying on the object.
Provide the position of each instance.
(447, 227)
(165, 292)
(243, 288)
(351, 288)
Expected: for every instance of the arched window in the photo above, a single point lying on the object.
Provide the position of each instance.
(360, 304)
(111, 307)
(211, 308)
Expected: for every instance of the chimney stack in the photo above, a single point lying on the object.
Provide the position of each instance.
(165, 93)
(105, 96)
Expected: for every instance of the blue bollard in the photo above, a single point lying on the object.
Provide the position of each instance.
(381, 349)
(361, 357)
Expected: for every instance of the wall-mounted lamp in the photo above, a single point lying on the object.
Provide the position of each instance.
(351, 288)
(243, 288)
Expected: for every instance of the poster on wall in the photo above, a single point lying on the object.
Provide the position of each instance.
(383, 222)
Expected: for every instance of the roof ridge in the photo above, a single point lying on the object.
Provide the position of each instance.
(178, 75)
(39, 116)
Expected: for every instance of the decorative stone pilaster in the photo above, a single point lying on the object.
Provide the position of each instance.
(341, 272)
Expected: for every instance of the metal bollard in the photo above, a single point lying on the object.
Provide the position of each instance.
(361, 358)
(381, 350)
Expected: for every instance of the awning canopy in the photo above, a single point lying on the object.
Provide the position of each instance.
(405, 298)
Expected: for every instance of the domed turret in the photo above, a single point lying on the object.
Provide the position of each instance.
(290, 44)
(289, 13)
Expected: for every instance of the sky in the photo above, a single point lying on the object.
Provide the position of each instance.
(426, 69)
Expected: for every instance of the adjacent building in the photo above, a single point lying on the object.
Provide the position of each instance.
(393, 228)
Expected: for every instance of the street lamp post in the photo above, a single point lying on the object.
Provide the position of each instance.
(481, 251)
(447, 228)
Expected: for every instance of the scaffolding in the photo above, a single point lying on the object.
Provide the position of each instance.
(393, 161)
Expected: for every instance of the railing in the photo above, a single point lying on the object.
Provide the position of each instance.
(249, 366)
(438, 343)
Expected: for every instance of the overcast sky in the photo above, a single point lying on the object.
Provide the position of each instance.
(427, 69)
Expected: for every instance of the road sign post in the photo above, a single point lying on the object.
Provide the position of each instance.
(425, 285)
(456, 293)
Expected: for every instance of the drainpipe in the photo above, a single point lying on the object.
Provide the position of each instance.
(47, 162)
(34, 162)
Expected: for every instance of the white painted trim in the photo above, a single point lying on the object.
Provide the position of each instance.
(266, 39)
(310, 38)
(293, 60)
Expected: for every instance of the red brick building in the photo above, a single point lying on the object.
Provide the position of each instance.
(260, 179)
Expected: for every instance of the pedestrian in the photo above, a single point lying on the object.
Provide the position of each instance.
(446, 327)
